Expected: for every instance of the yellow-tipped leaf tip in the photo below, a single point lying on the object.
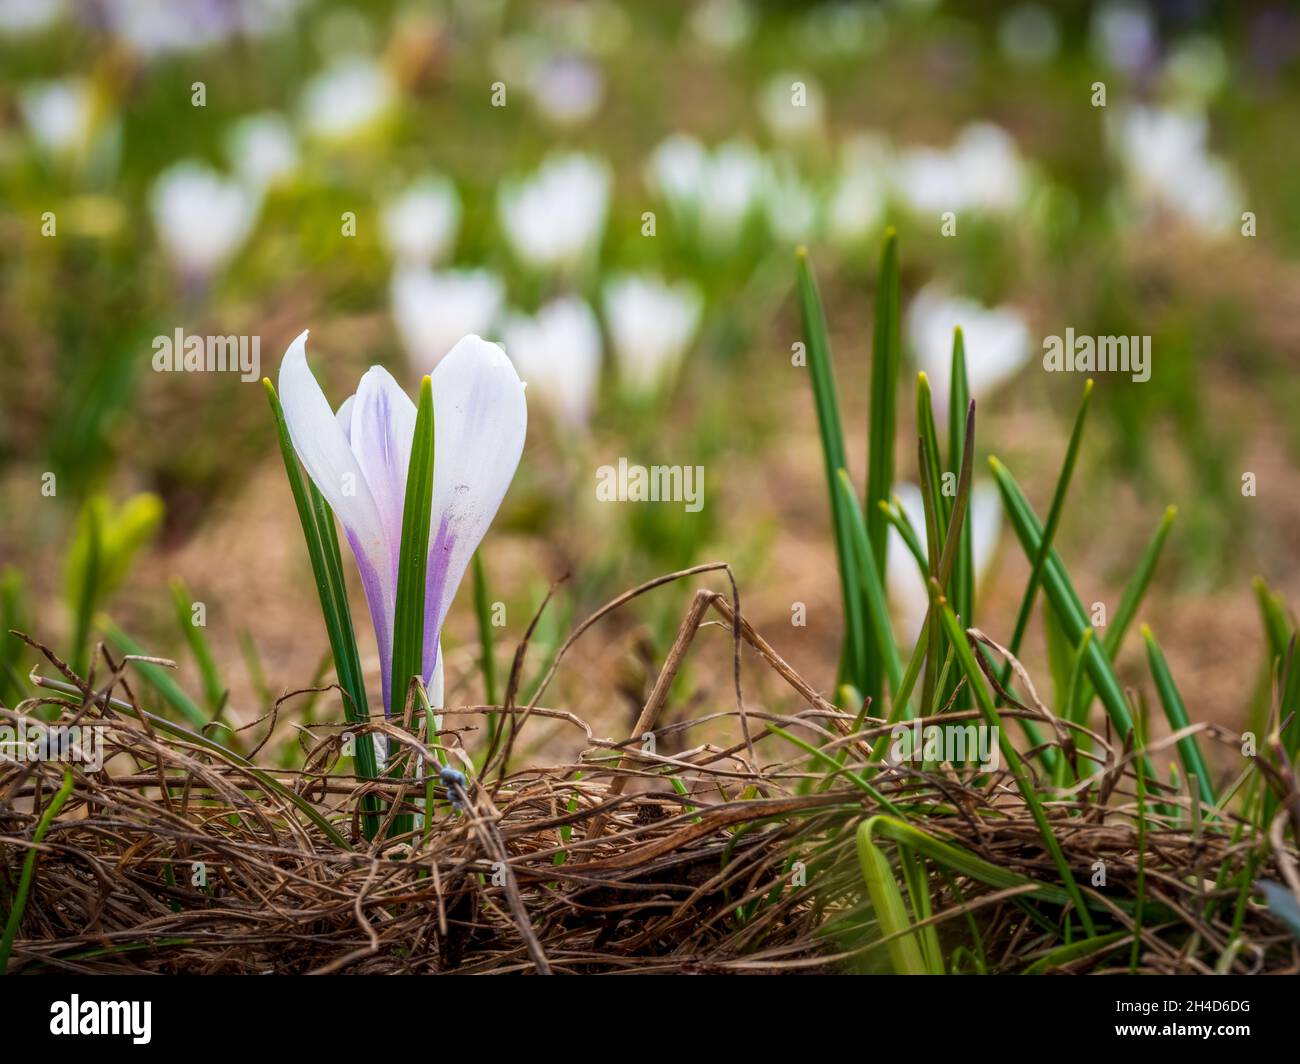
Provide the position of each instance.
(1087, 386)
(1171, 512)
(801, 252)
(1145, 629)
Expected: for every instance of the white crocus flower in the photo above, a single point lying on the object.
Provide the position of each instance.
(347, 99)
(982, 170)
(358, 459)
(860, 191)
(716, 192)
(903, 582)
(435, 309)
(262, 149)
(419, 226)
(792, 207)
(996, 342)
(557, 352)
(1166, 161)
(58, 114)
(651, 324)
(202, 218)
(555, 217)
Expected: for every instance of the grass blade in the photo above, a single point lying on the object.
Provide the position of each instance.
(905, 947)
(1024, 780)
(214, 691)
(1176, 713)
(1049, 532)
(28, 873)
(855, 653)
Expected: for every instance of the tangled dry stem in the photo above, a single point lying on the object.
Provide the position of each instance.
(726, 858)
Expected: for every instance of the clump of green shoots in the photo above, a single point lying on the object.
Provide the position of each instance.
(1061, 780)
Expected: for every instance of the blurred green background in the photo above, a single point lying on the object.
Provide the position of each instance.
(388, 174)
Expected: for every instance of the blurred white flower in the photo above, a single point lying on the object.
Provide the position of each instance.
(716, 192)
(349, 97)
(434, 310)
(554, 218)
(202, 218)
(557, 353)
(792, 207)
(996, 341)
(19, 17)
(567, 89)
(1029, 35)
(262, 149)
(161, 27)
(721, 24)
(903, 583)
(860, 190)
(793, 106)
(1166, 162)
(419, 226)
(58, 114)
(651, 325)
(981, 171)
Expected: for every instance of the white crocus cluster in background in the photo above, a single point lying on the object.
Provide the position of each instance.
(982, 170)
(1167, 163)
(557, 353)
(996, 341)
(263, 149)
(715, 192)
(202, 218)
(347, 99)
(904, 584)
(419, 226)
(433, 310)
(555, 217)
(651, 324)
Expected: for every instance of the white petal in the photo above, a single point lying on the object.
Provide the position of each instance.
(480, 420)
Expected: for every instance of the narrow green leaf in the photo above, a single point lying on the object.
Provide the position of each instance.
(413, 562)
(1024, 780)
(327, 569)
(1048, 537)
(214, 691)
(905, 947)
(487, 655)
(1176, 713)
(963, 585)
(158, 676)
(855, 653)
(28, 873)
(873, 590)
(1063, 598)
